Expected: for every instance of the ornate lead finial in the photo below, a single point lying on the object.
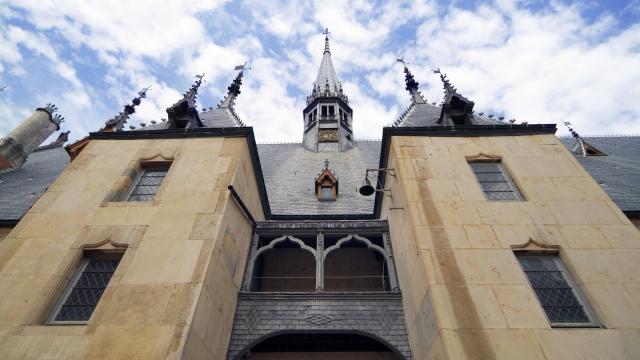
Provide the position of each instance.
(326, 163)
(234, 89)
(412, 85)
(326, 40)
(52, 109)
(456, 109)
(3, 87)
(117, 122)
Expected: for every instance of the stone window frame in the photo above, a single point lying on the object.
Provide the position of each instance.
(146, 166)
(120, 192)
(320, 255)
(533, 248)
(107, 249)
(504, 170)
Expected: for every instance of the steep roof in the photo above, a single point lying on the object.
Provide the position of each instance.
(619, 172)
(418, 115)
(20, 188)
(290, 171)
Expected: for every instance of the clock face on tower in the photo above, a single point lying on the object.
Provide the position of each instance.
(328, 135)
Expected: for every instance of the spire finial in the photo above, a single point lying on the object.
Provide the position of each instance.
(234, 89)
(412, 85)
(117, 122)
(326, 40)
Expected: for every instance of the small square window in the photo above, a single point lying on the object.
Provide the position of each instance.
(558, 294)
(326, 194)
(147, 183)
(495, 181)
(85, 289)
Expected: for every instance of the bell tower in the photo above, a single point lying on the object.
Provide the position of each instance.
(327, 117)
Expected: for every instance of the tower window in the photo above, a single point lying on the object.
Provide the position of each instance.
(558, 294)
(85, 289)
(148, 182)
(495, 181)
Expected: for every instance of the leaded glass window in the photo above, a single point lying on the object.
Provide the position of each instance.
(558, 294)
(85, 290)
(147, 184)
(494, 180)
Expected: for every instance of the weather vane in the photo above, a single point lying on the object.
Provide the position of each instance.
(3, 87)
(242, 67)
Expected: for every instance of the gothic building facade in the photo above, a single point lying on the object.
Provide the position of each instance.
(456, 236)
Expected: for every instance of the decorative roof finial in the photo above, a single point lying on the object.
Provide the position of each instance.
(326, 40)
(3, 87)
(117, 122)
(326, 163)
(55, 117)
(234, 89)
(456, 109)
(411, 84)
(582, 147)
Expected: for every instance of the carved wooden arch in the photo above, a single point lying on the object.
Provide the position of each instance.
(483, 157)
(284, 238)
(533, 245)
(359, 238)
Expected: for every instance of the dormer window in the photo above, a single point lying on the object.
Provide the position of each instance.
(326, 185)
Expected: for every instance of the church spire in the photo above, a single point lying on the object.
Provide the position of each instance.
(327, 116)
(327, 83)
(117, 122)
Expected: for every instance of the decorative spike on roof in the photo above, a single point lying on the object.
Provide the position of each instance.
(52, 109)
(456, 109)
(117, 122)
(581, 147)
(411, 84)
(183, 113)
(234, 89)
(327, 83)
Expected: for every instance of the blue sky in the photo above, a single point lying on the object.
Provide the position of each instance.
(536, 61)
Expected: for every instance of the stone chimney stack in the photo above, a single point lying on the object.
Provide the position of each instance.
(24, 139)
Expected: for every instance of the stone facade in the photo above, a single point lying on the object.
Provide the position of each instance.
(465, 295)
(174, 291)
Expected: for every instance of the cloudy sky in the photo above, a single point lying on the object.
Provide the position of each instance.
(535, 61)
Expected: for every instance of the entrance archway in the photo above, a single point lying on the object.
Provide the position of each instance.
(319, 345)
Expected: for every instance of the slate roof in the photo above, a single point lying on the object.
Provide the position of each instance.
(619, 172)
(419, 115)
(20, 188)
(214, 118)
(290, 172)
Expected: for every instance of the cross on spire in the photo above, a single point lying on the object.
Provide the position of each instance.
(326, 163)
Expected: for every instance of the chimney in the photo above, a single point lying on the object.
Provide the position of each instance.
(24, 139)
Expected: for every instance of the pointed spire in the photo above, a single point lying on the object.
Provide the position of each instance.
(327, 83)
(456, 109)
(326, 41)
(233, 90)
(117, 122)
(411, 84)
(183, 113)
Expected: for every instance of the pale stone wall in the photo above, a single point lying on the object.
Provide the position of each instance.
(636, 222)
(4, 232)
(177, 280)
(465, 295)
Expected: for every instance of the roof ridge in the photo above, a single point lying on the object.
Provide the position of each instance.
(601, 136)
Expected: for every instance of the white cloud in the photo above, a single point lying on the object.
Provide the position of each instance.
(539, 66)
